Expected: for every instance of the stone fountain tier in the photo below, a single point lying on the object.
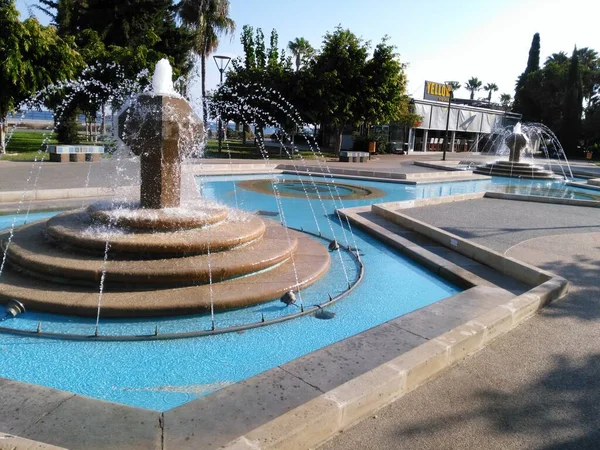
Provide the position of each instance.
(515, 169)
(34, 254)
(77, 229)
(157, 219)
(46, 275)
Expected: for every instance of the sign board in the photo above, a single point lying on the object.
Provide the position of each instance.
(438, 92)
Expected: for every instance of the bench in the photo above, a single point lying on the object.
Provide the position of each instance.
(75, 153)
(347, 156)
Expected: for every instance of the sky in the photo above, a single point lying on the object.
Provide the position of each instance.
(439, 40)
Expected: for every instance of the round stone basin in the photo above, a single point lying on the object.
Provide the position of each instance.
(312, 189)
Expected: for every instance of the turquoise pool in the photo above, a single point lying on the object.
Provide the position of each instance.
(160, 375)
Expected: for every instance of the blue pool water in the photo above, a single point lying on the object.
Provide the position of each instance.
(160, 375)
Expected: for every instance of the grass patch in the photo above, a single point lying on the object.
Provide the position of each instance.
(26, 145)
(238, 150)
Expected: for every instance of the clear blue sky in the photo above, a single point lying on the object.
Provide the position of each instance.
(441, 40)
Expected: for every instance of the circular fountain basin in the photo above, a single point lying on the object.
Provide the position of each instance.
(312, 189)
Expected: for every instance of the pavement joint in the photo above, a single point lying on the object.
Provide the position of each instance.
(301, 379)
(47, 413)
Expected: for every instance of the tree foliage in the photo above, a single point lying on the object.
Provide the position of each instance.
(523, 102)
(473, 85)
(301, 50)
(33, 56)
(556, 94)
(341, 86)
(571, 122)
(490, 88)
(207, 19)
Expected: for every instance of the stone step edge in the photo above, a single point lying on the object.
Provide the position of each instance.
(320, 419)
(540, 199)
(584, 185)
(512, 267)
(374, 173)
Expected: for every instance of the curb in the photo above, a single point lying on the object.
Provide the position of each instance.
(63, 194)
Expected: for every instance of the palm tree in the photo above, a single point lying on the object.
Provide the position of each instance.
(560, 58)
(505, 100)
(301, 50)
(473, 85)
(455, 85)
(491, 88)
(208, 19)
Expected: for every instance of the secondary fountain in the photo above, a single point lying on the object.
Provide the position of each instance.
(161, 256)
(521, 141)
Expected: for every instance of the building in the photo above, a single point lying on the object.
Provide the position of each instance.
(466, 124)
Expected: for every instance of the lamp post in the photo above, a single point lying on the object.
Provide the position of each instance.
(222, 62)
(448, 85)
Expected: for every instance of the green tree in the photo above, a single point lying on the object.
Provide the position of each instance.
(384, 98)
(505, 101)
(33, 56)
(473, 85)
(523, 98)
(208, 19)
(490, 88)
(301, 50)
(571, 122)
(245, 96)
(591, 124)
(589, 66)
(339, 70)
(118, 40)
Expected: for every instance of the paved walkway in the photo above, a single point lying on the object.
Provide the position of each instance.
(537, 387)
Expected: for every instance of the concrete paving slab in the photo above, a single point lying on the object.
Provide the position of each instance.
(23, 405)
(84, 423)
(11, 442)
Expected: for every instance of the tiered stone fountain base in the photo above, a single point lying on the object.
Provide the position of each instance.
(516, 170)
(156, 259)
(159, 264)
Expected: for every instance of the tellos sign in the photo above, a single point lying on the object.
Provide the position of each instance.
(437, 91)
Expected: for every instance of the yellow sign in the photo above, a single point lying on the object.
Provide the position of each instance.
(437, 91)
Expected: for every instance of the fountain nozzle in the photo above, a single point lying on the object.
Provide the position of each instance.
(14, 308)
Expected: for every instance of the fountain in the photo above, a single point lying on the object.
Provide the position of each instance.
(161, 256)
(521, 141)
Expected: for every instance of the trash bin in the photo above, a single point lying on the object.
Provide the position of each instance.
(588, 155)
(372, 147)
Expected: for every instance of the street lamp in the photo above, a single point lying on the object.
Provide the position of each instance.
(222, 62)
(448, 85)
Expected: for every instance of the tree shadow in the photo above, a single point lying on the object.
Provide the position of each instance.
(563, 405)
(583, 301)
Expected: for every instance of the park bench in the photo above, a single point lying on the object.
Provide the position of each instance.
(347, 156)
(75, 153)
